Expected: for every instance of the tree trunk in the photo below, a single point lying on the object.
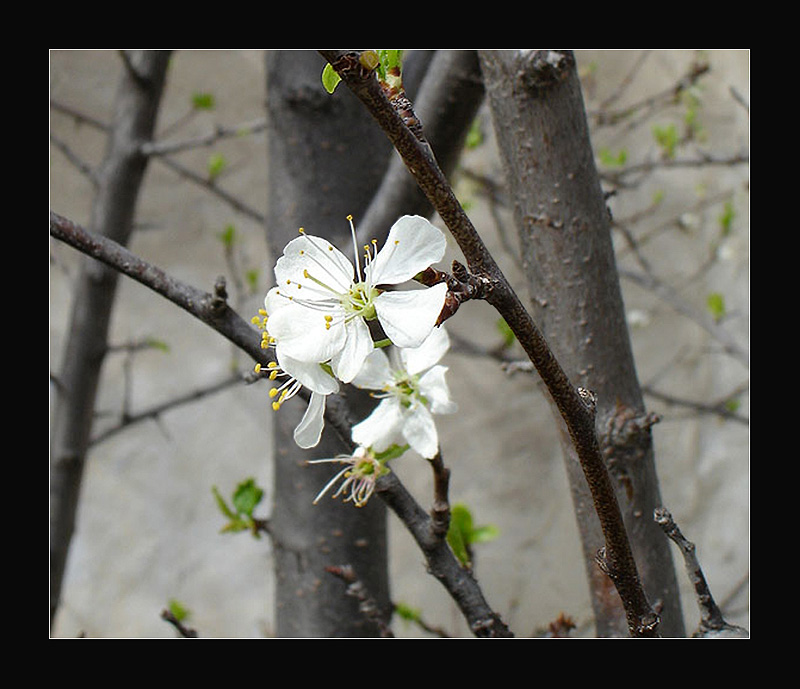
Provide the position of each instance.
(328, 159)
(567, 253)
(135, 112)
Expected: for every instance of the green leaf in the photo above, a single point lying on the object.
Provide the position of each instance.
(178, 610)
(610, 159)
(228, 236)
(216, 164)
(715, 303)
(203, 101)
(247, 496)
(251, 277)
(222, 504)
(392, 452)
(406, 612)
(667, 139)
(484, 534)
(330, 78)
(462, 534)
(475, 134)
(157, 344)
(508, 335)
(726, 218)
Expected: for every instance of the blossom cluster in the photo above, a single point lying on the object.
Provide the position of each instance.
(331, 320)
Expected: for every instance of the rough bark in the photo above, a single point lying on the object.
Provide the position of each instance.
(576, 301)
(119, 181)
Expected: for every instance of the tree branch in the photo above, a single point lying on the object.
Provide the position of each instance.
(579, 419)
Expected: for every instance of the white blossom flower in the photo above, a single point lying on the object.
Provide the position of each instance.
(412, 386)
(290, 377)
(361, 471)
(319, 310)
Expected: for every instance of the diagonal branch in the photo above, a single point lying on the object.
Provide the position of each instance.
(577, 415)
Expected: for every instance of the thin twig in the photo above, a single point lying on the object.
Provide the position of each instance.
(712, 622)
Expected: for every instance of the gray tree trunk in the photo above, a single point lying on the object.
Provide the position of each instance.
(119, 181)
(327, 158)
(575, 299)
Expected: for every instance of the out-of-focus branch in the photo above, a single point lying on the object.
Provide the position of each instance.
(118, 183)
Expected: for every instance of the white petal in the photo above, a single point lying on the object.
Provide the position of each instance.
(302, 333)
(375, 373)
(310, 375)
(320, 258)
(408, 317)
(433, 387)
(347, 362)
(418, 359)
(419, 430)
(382, 427)
(412, 246)
(309, 430)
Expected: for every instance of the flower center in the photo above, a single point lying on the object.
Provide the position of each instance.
(359, 301)
(406, 389)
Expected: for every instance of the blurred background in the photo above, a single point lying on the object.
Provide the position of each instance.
(148, 530)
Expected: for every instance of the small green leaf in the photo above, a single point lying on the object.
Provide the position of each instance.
(158, 344)
(715, 303)
(508, 335)
(228, 236)
(732, 405)
(178, 610)
(247, 496)
(475, 134)
(330, 78)
(392, 452)
(222, 504)
(203, 101)
(216, 164)
(484, 534)
(251, 277)
(726, 219)
(667, 138)
(408, 613)
(610, 159)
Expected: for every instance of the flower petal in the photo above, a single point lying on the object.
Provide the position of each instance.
(412, 246)
(309, 430)
(320, 258)
(433, 388)
(382, 427)
(349, 359)
(418, 359)
(408, 317)
(419, 430)
(303, 334)
(376, 373)
(309, 375)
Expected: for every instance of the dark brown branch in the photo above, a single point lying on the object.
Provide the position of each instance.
(442, 564)
(184, 631)
(579, 420)
(440, 512)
